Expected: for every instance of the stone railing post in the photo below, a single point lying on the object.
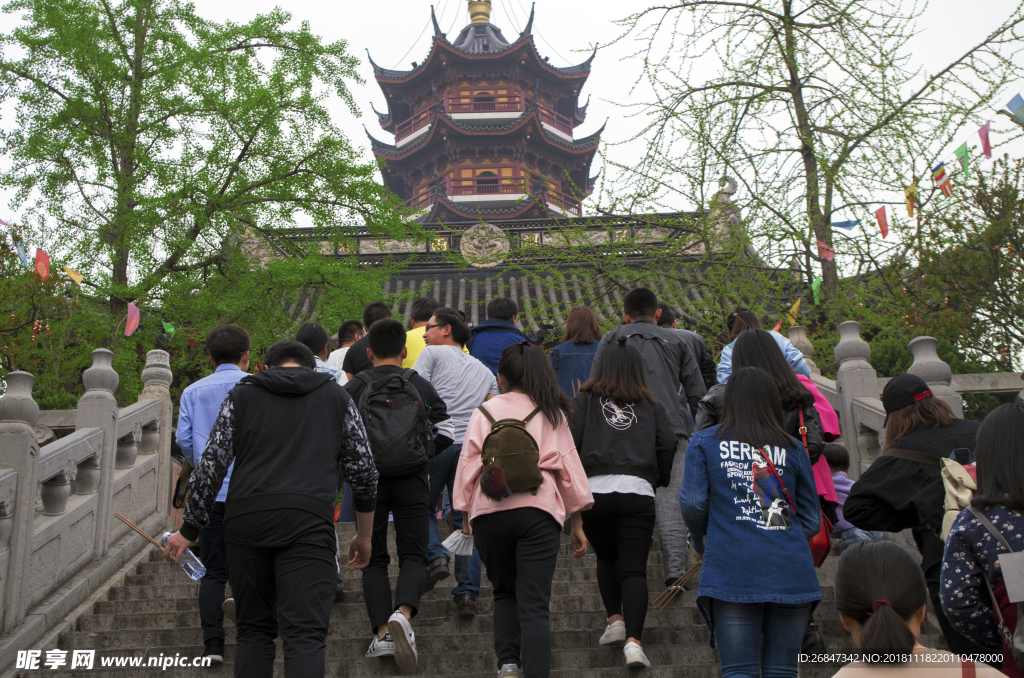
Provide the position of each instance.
(798, 337)
(98, 409)
(930, 367)
(856, 378)
(157, 439)
(19, 451)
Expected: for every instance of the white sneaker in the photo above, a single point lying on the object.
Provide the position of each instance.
(510, 671)
(405, 641)
(381, 647)
(228, 608)
(615, 633)
(635, 656)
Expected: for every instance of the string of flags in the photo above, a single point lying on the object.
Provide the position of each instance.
(42, 270)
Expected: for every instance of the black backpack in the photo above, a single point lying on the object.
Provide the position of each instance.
(397, 421)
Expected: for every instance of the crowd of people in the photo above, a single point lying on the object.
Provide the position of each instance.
(604, 437)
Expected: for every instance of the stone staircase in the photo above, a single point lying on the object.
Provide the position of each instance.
(155, 614)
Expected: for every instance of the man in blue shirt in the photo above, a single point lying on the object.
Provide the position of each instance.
(228, 348)
(488, 339)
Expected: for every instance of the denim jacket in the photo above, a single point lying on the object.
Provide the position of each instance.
(572, 362)
(756, 548)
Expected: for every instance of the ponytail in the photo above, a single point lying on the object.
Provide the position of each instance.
(741, 320)
(880, 586)
(527, 368)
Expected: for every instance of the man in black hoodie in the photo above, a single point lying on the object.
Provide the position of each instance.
(294, 435)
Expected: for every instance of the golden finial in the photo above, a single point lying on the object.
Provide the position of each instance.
(479, 11)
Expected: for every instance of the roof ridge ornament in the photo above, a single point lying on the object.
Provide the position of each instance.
(479, 11)
(437, 29)
(528, 30)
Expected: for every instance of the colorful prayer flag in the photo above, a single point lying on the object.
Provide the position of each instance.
(168, 328)
(964, 156)
(911, 193)
(74, 275)
(883, 222)
(17, 244)
(778, 326)
(133, 320)
(824, 251)
(42, 264)
(1016, 107)
(986, 145)
(793, 312)
(846, 225)
(816, 288)
(942, 180)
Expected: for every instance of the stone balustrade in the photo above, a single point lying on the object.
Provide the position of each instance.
(59, 538)
(856, 392)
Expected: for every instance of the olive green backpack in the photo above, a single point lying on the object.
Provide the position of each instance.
(511, 458)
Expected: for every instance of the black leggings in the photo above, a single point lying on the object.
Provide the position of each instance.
(620, 527)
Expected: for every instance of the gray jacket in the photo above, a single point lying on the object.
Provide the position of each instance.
(670, 369)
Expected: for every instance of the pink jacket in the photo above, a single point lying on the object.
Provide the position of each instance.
(565, 489)
(830, 432)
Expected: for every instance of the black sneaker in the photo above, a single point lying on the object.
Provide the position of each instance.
(437, 570)
(465, 606)
(214, 650)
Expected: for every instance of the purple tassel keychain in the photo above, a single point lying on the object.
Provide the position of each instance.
(493, 484)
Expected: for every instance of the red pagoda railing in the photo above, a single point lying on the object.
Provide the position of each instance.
(485, 104)
(485, 186)
(556, 120)
(416, 122)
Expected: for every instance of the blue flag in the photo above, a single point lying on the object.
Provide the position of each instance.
(17, 245)
(1016, 107)
(846, 225)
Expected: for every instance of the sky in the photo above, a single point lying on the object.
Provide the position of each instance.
(398, 32)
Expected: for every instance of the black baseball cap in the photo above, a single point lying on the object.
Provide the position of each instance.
(903, 391)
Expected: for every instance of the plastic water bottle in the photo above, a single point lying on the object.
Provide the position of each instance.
(193, 568)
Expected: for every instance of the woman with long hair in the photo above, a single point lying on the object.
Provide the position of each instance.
(626, 445)
(573, 357)
(750, 502)
(902, 489)
(742, 320)
(972, 551)
(519, 534)
(882, 601)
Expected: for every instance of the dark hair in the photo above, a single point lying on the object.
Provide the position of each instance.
(999, 451)
(836, 456)
(375, 311)
(284, 351)
(619, 375)
(667, 317)
(386, 339)
(751, 411)
(527, 368)
(227, 343)
(503, 308)
(930, 412)
(423, 308)
(581, 326)
(640, 302)
(757, 348)
(451, 318)
(741, 320)
(314, 336)
(348, 331)
(880, 586)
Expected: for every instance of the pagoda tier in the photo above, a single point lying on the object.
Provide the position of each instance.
(485, 127)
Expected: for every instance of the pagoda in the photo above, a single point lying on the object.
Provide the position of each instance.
(484, 128)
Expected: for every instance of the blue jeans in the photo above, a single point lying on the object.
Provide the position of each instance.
(848, 538)
(739, 628)
(441, 471)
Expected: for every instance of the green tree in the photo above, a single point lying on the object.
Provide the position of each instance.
(815, 108)
(149, 142)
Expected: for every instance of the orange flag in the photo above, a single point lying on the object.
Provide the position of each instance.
(133, 320)
(42, 264)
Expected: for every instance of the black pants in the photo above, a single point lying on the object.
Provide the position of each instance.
(211, 588)
(406, 498)
(290, 587)
(519, 548)
(619, 527)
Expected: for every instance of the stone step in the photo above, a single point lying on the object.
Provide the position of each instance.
(335, 670)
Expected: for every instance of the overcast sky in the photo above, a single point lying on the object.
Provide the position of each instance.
(398, 32)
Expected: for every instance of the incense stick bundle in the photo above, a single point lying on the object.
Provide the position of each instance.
(669, 594)
(138, 529)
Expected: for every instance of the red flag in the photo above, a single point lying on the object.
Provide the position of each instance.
(986, 146)
(42, 264)
(133, 320)
(883, 223)
(824, 251)
(778, 326)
